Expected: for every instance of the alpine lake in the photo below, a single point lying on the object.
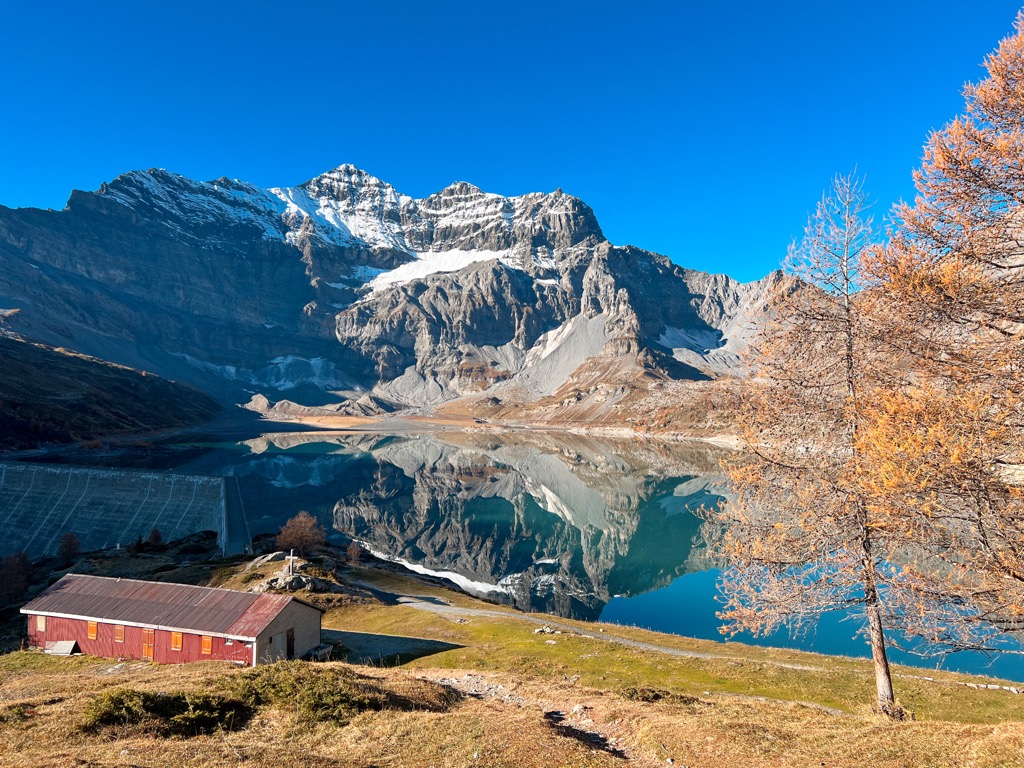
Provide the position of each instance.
(570, 525)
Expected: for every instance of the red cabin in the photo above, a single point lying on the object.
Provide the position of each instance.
(171, 623)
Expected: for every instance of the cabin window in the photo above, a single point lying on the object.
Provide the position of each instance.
(93, 630)
(176, 641)
(40, 623)
(207, 645)
(118, 633)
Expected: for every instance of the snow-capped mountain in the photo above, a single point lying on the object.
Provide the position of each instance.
(344, 292)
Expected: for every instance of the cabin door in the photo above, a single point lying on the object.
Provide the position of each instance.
(291, 643)
(148, 637)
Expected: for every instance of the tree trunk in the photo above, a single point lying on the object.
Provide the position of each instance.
(883, 678)
(876, 637)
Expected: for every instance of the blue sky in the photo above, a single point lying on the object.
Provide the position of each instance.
(705, 131)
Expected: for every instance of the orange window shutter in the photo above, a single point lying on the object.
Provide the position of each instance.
(175, 641)
(118, 634)
(93, 630)
(207, 645)
(40, 623)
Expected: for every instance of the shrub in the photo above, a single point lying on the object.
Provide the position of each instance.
(354, 552)
(651, 695)
(315, 694)
(182, 713)
(118, 707)
(253, 576)
(318, 573)
(15, 713)
(302, 533)
(221, 575)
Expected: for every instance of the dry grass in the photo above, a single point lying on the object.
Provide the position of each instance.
(437, 728)
(421, 723)
(506, 697)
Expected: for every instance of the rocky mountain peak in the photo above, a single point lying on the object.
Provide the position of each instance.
(139, 186)
(345, 175)
(220, 213)
(347, 183)
(461, 189)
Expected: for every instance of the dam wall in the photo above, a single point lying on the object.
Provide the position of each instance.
(106, 508)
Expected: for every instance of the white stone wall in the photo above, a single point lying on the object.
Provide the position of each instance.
(306, 623)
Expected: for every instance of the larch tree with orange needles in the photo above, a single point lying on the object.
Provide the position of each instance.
(943, 451)
(797, 534)
(885, 426)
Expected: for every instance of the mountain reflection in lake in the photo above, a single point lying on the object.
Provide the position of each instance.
(559, 524)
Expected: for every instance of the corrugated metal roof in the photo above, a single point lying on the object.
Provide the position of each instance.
(184, 607)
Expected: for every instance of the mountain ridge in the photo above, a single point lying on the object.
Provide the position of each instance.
(342, 286)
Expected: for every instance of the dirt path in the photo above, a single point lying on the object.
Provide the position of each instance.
(571, 721)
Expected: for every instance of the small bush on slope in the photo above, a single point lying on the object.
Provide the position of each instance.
(180, 713)
(328, 694)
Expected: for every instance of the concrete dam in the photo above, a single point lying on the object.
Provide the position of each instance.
(104, 508)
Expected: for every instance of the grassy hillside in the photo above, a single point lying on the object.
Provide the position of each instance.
(480, 685)
(50, 395)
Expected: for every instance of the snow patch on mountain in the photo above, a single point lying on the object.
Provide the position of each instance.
(360, 276)
(432, 262)
(463, 583)
(349, 205)
(299, 207)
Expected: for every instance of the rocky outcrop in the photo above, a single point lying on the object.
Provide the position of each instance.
(213, 301)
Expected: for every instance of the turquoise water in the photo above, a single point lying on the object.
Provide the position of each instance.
(687, 607)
